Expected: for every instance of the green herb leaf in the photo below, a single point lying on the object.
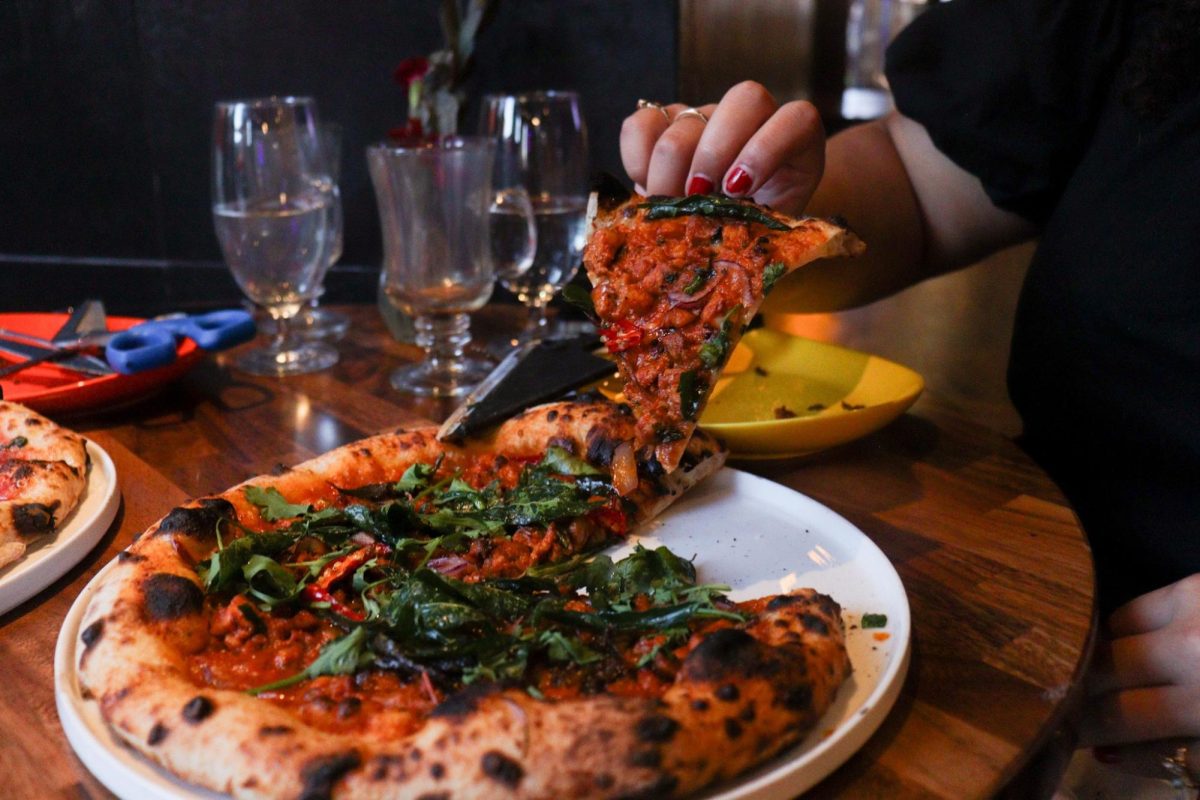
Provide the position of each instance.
(716, 349)
(579, 297)
(564, 648)
(771, 274)
(342, 656)
(874, 620)
(691, 386)
(224, 567)
(700, 276)
(268, 581)
(415, 478)
(710, 205)
(561, 462)
(272, 505)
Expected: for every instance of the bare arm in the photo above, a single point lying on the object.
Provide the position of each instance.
(919, 213)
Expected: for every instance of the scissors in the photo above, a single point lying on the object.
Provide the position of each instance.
(154, 343)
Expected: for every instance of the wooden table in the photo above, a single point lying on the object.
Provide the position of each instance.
(995, 564)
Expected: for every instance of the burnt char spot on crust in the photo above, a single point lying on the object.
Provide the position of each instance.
(434, 796)
(815, 624)
(34, 518)
(600, 446)
(437, 770)
(700, 704)
(733, 728)
(656, 728)
(274, 730)
(783, 601)
(798, 698)
(319, 774)
(662, 787)
(501, 768)
(198, 520)
(727, 692)
(604, 780)
(157, 734)
(551, 415)
(727, 653)
(198, 709)
(127, 557)
(92, 633)
(464, 702)
(650, 759)
(168, 597)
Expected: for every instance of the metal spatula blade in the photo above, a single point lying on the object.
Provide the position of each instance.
(534, 373)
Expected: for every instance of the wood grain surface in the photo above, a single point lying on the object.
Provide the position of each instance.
(996, 567)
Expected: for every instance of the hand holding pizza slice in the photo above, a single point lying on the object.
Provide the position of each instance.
(675, 281)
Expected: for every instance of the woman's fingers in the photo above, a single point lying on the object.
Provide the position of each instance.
(790, 149)
(735, 121)
(639, 132)
(749, 147)
(1140, 715)
(1156, 609)
(671, 158)
(1166, 656)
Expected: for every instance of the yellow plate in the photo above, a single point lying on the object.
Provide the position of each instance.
(836, 394)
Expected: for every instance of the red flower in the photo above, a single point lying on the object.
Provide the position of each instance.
(410, 69)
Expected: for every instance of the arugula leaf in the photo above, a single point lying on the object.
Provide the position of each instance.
(691, 386)
(579, 297)
(874, 621)
(225, 566)
(268, 581)
(714, 351)
(563, 648)
(272, 505)
(343, 656)
(771, 274)
(416, 478)
(559, 461)
(700, 276)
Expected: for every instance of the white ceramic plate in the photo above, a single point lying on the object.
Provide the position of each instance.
(49, 557)
(756, 536)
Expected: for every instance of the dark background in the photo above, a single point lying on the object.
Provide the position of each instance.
(107, 114)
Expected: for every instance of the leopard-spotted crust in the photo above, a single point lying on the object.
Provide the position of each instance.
(43, 473)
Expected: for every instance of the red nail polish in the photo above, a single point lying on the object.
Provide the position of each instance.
(699, 185)
(738, 181)
(1106, 755)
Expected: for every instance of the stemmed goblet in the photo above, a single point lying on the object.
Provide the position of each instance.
(541, 142)
(435, 210)
(272, 196)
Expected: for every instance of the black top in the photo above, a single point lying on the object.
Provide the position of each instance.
(1031, 96)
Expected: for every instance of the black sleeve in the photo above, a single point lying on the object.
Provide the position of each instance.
(1009, 89)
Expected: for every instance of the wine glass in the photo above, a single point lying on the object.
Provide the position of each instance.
(272, 196)
(541, 144)
(435, 208)
(315, 321)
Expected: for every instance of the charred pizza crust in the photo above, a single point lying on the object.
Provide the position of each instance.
(675, 281)
(741, 695)
(43, 472)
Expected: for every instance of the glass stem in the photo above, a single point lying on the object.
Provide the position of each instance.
(444, 337)
(283, 333)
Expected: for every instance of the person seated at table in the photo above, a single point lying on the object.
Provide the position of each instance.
(1077, 122)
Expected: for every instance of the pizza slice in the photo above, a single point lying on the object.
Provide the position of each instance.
(43, 473)
(675, 282)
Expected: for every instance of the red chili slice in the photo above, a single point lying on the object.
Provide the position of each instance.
(621, 335)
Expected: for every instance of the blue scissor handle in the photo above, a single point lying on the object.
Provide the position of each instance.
(153, 343)
(140, 348)
(215, 330)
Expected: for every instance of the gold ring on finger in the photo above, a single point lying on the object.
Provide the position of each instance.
(691, 112)
(641, 104)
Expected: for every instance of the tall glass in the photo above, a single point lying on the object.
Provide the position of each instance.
(315, 321)
(435, 204)
(272, 195)
(541, 144)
